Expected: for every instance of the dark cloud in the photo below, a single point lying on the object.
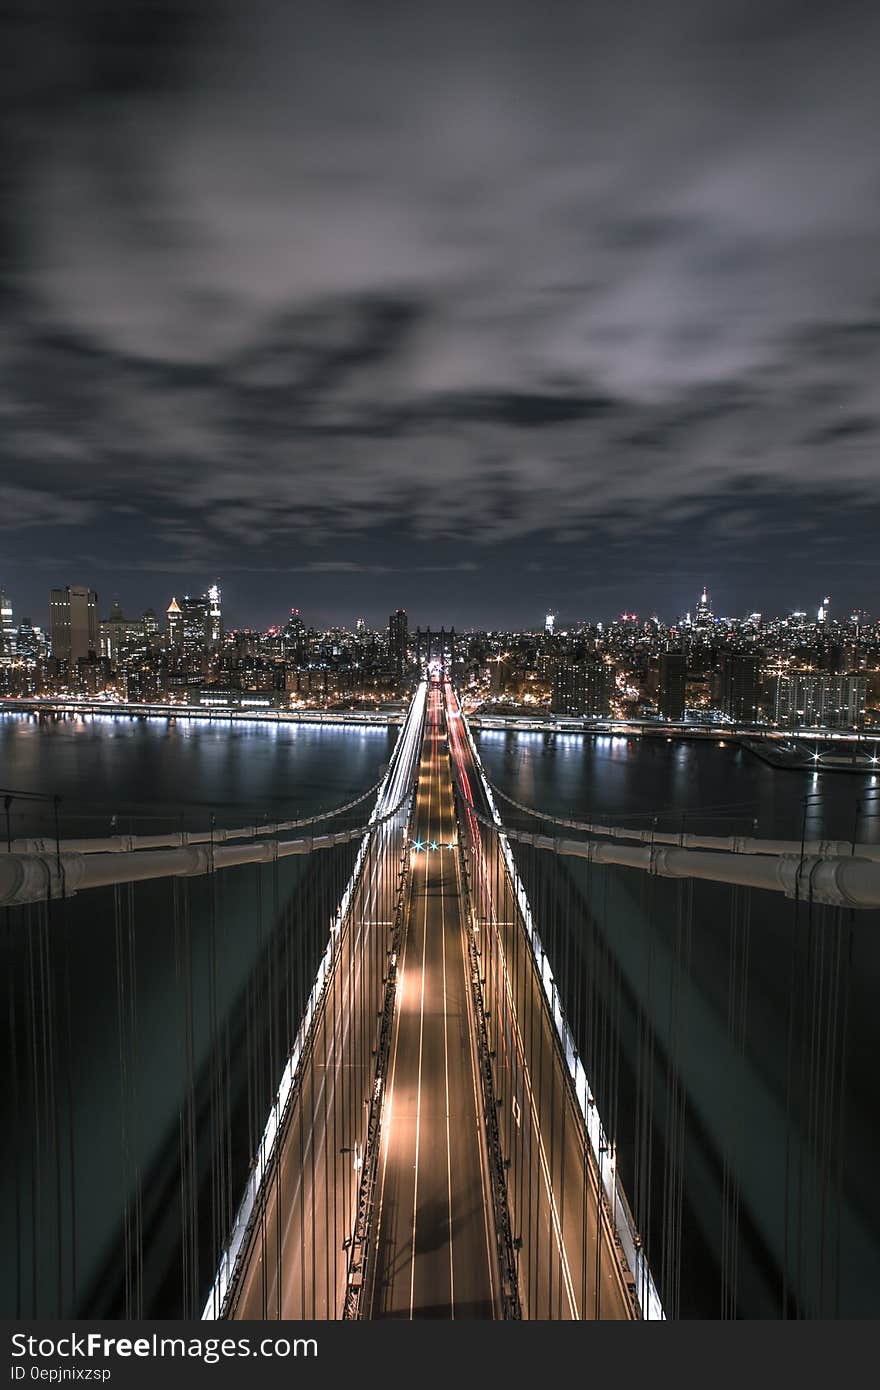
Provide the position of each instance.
(331, 290)
(853, 427)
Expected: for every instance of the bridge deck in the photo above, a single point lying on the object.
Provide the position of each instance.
(568, 1266)
(435, 1249)
(434, 1254)
(295, 1264)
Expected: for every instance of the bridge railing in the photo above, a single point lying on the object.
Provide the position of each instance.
(685, 839)
(502, 893)
(216, 835)
(371, 896)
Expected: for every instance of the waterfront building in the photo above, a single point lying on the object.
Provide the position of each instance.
(582, 688)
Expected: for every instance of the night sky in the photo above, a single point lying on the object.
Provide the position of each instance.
(481, 309)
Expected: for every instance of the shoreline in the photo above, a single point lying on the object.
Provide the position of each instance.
(777, 748)
(132, 710)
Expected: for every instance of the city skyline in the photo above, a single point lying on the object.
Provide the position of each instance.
(529, 618)
(800, 670)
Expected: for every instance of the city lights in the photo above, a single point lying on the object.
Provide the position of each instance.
(704, 673)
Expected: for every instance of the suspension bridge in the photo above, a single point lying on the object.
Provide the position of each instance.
(464, 1077)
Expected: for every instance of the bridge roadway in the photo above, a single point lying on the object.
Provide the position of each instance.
(309, 1204)
(294, 1262)
(568, 1264)
(435, 1250)
(434, 1244)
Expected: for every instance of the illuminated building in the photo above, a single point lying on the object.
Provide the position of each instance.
(73, 622)
(582, 687)
(295, 637)
(7, 630)
(740, 687)
(808, 699)
(28, 640)
(174, 620)
(151, 627)
(117, 632)
(215, 616)
(398, 639)
(704, 615)
(195, 615)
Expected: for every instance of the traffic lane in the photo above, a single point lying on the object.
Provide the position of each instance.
(472, 1215)
(432, 1190)
(456, 1147)
(558, 1260)
(556, 1215)
(451, 1244)
(433, 1288)
(297, 1199)
(321, 1102)
(393, 1268)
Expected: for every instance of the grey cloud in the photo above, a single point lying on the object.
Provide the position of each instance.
(22, 506)
(292, 458)
(312, 273)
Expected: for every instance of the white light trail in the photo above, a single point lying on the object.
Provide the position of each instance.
(399, 775)
(646, 1290)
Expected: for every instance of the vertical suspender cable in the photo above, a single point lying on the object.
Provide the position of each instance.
(15, 1080)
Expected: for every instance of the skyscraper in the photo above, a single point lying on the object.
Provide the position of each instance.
(7, 630)
(740, 687)
(398, 639)
(27, 640)
(215, 616)
(804, 699)
(295, 637)
(195, 614)
(73, 623)
(151, 627)
(582, 687)
(175, 626)
(704, 615)
(117, 632)
(673, 673)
